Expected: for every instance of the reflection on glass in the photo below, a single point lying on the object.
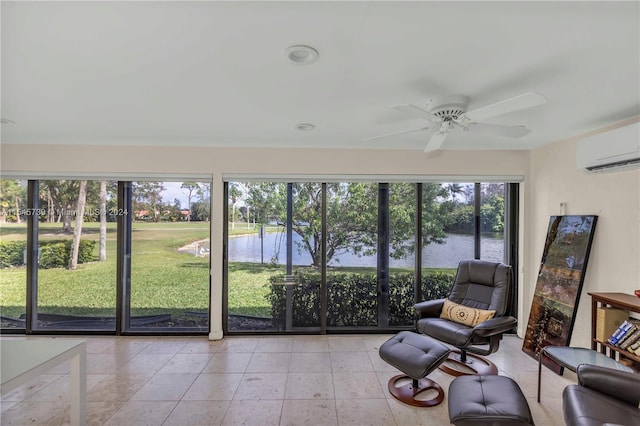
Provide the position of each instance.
(170, 255)
(76, 255)
(492, 217)
(13, 246)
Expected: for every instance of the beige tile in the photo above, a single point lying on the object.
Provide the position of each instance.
(198, 413)
(214, 387)
(263, 413)
(97, 413)
(346, 344)
(256, 386)
(32, 413)
(167, 346)
(275, 344)
(145, 363)
(239, 344)
(118, 387)
(350, 361)
(129, 346)
(203, 346)
(310, 362)
(357, 385)
(362, 412)
(304, 412)
(142, 413)
(269, 362)
(310, 344)
(106, 363)
(31, 387)
(186, 363)
(404, 414)
(309, 386)
(228, 362)
(165, 387)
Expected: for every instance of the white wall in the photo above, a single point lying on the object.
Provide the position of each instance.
(614, 263)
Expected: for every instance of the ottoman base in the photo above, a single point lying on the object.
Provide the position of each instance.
(407, 392)
(472, 365)
(416, 356)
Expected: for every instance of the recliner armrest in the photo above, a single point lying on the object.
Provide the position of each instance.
(618, 384)
(494, 326)
(429, 308)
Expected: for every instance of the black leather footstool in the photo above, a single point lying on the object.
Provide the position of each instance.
(416, 356)
(487, 400)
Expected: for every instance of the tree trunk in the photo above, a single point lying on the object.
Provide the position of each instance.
(17, 200)
(77, 230)
(103, 220)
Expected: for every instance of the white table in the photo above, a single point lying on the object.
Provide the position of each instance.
(23, 360)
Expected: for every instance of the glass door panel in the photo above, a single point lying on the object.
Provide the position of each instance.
(492, 219)
(13, 253)
(256, 256)
(402, 224)
(352, 238)
(170, 256)
(76, 284)
(447, 234)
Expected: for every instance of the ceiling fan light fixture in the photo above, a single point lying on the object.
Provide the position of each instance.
(305, 127)
(301, 54)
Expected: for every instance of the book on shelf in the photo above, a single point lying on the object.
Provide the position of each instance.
(628, 341)
(624, 336)
(615, 337)
(634, 346)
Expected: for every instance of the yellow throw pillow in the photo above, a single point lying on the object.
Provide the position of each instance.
(464, 315)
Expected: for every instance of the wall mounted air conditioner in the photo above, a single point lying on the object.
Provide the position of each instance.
(612, 151)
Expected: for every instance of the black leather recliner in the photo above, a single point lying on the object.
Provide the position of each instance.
(478, 284)
(602, 396)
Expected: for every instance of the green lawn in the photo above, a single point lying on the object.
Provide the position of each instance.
(163, 279)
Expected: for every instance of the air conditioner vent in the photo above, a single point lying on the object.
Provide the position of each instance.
(616, 164)
(615, 150)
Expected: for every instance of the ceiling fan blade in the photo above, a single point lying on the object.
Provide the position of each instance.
(436, 141)
(417, 112)
(395, 134)
(496, 129)
(526, 100)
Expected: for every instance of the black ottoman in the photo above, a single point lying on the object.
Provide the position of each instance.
(487, 400)
(416, 356)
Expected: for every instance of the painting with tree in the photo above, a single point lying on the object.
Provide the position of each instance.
(560, 278)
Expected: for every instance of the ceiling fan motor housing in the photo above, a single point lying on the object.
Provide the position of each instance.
(448, 108)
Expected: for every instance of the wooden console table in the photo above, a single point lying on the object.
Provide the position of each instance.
(627, 302)
(23, 360)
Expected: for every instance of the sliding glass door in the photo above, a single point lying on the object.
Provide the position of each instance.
(349, 256)
(105, 256)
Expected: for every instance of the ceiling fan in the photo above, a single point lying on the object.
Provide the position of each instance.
(450, 112)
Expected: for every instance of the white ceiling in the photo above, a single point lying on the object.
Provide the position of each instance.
(215, 74)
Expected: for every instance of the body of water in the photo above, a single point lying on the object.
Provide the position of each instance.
(247, 248)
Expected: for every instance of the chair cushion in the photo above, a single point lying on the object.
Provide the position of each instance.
(582, 406)
(413, 354)
(487, 400)
(453, 333)
(464, 314)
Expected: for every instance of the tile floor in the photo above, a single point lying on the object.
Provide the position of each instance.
(274, 380)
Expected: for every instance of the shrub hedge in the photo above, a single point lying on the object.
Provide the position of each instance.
(53, 253)
(352, 298)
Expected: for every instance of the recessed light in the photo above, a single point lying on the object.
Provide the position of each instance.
(301, 55)
(305, 127)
